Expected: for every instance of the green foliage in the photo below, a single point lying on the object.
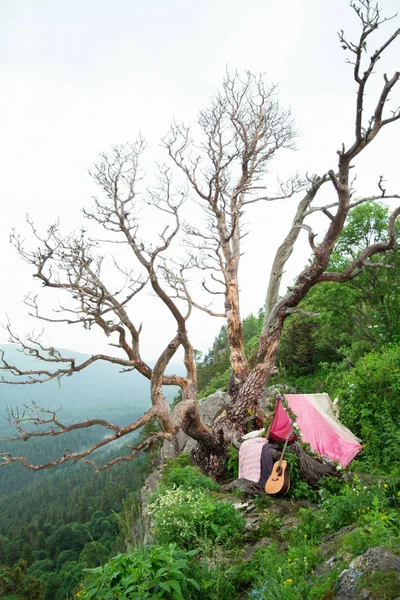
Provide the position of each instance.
(191, 518)
(214, 370)
(67, 531)
(161, 572)
(16, 583)
(352, 350)
(289, 575)
(370, 405)
(232, 463)
(185, 477)
(219, 382)
(354, 501)
(377, 527)
(153, 572)
(299, 488)
(94, 554)
(385, 586)
(210, 530)
(270, 524)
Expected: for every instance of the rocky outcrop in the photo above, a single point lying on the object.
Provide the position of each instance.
(211, 409)
(149, 487)
(245, 486)
(249, 512)
(353, 584)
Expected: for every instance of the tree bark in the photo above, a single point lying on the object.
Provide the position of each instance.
(240, 369)
(246, 401)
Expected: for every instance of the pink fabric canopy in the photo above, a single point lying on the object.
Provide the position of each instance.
(318, 426)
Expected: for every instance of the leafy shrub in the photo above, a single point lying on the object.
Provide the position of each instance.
(290, 575)
(159, 572)
(232, 463)
(298, 487)
(15, 583)
(153, 572)
(385, 586)
(371, 405)
(270, 524)
(182, 460)
(342, 508)
(377, 527)
(186, 477)
(190, 518)
(219, 382)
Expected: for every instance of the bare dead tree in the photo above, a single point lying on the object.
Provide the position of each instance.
(242, 130)
(244, 126)
(70, 264)
(226, 171)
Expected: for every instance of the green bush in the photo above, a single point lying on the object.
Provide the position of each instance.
(298, 487)
(153, 572)
(385, 586)
(341, 507)
(191, 518)
(219, 382)
(371, 406)
(289, 575)
(164, 572)
(186, 477)
(232, 463)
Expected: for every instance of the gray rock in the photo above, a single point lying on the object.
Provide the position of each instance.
(190, 444)
(149, 487)
(249, 551)
(169, 450)
(252, 523)
(245, 486)
(271, 392)
(377, 559)
(181, 440)
(210, 408)
(248, 511)
(373, 560)
(328, 542)
(326, 566)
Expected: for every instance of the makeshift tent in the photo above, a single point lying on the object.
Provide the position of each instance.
(318, 425)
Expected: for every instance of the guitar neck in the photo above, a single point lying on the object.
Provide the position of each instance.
(284, 447)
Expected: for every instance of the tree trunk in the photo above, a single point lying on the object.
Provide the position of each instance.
(311, 469)
(240, 369)
(247, 399)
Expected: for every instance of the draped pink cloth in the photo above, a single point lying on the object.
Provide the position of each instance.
(318, 427)
(250, 458)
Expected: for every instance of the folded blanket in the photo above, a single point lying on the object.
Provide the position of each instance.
(250, 459)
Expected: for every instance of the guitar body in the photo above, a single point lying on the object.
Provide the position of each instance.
(278, 483)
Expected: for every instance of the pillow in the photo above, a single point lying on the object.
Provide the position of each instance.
(253, 434)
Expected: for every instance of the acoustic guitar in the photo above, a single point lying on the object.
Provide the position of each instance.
(278, 483)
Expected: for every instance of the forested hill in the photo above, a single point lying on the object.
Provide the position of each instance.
(63, 520)
(100, 391)
(93, 392)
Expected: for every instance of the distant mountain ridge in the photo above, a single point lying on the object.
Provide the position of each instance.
(98, 387)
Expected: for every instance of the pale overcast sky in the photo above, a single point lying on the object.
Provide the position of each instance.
(78, 75)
